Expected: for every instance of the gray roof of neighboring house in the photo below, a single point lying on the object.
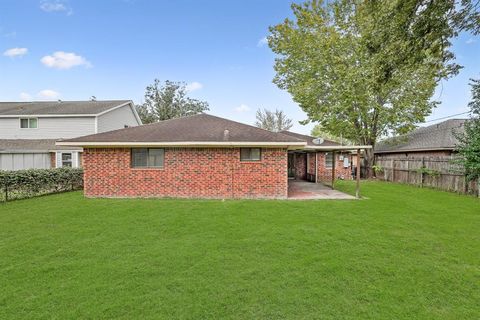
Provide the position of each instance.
(58, 107)
(438, 136)
(196, 128)
(30, 145)
(309, 139)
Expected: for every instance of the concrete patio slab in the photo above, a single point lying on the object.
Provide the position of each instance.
(304, 190)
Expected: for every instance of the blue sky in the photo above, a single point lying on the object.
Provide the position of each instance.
(114, 48)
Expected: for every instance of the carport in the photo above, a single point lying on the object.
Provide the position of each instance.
(319, 190)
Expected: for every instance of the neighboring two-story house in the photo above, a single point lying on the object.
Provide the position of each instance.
(28, 130)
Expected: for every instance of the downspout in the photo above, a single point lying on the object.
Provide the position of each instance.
(316, 167)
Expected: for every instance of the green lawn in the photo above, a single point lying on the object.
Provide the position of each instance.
(403, 253)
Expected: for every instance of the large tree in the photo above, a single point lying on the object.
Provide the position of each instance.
(469, 142)
(365, 68)
(168, 100)
(273, 120)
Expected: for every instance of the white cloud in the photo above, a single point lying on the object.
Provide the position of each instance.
(15, 52)
(194, 86)
(470, 41)
(242, 108)
(262, 42)
(12, 34)
(25, 96)
(48, 94)
(55, 6)
(65, 60)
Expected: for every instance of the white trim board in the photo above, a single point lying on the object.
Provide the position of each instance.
(299, 145)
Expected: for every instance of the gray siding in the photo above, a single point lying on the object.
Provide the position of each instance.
(20, 161)
(117, 119)
(48, 128)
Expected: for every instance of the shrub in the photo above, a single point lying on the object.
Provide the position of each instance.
(34, 182)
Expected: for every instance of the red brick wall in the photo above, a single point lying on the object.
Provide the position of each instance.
(53, 162)
(325, 174)
(311, 163)
(187, 173)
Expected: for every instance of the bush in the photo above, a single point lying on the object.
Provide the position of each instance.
(29, 183)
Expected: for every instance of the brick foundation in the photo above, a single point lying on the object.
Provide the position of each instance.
(187, 173)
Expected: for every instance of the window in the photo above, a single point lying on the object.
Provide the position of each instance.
(250, 154)
(346, 163)
(147, 158)
(29, 123)
(66, 159)
(328, 160)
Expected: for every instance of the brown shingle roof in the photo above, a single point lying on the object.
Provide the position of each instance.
(30, 145)
(309, 139)
(438, 136)
(196, 128)
(57, 108)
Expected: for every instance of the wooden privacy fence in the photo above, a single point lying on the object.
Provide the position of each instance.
(435, 172)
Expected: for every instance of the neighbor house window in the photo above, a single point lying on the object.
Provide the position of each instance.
(328, 160)
(29, 123)
(147, 157)
(67, 159)
(250, 154)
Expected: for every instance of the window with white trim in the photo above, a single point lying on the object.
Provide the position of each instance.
(28, 123)
(67, 159)
(148, 157)
(250, 154)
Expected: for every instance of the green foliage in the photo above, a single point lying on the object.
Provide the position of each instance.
(469, 142)
(377, 168)
(273, 120)
(33, 182)
(429, 172)
(362, 69)
(318, 131)
(167, 101)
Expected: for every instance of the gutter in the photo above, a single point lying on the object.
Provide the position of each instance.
(415, 150)
(289, 145)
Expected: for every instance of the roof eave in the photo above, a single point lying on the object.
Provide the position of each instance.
(415, 150)
(289, 145)
(334, 148)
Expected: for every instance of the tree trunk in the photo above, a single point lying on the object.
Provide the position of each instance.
(369, 162)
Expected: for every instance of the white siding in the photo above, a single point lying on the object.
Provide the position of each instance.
(48, 128)
(20, 161)
(117, 119)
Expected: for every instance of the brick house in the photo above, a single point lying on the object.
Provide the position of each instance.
(203, 156)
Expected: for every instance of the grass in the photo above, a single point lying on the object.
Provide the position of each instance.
(405, 253)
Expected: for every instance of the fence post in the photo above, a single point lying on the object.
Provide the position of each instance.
(6, 190)
(408, 171)
(478, 186)
(393, 170)
(422, 176)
